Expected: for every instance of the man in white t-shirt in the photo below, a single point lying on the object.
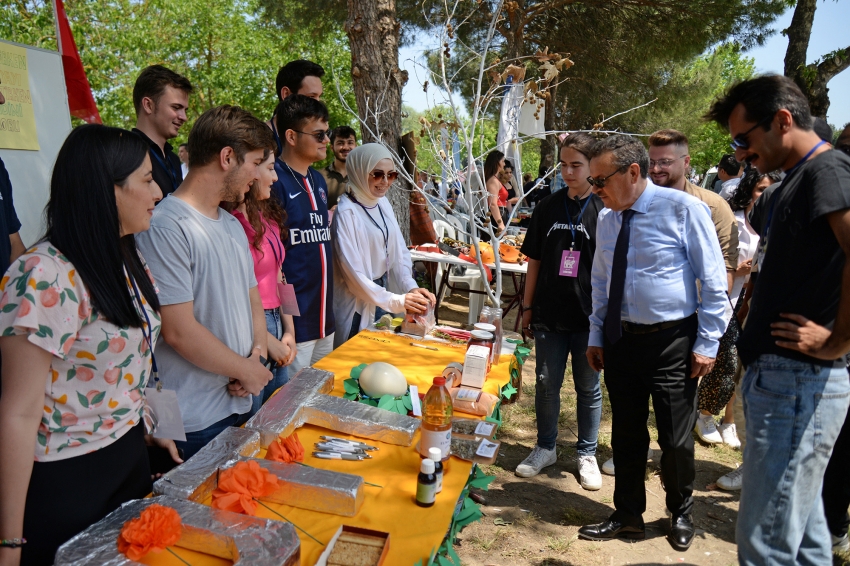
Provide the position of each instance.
(729, 171)
(213, 327)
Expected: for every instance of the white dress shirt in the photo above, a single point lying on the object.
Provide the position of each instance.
(728, 188)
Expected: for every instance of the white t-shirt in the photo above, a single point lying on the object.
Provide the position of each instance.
(727, 189)
(748, 243)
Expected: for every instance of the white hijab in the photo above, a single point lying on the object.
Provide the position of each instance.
(359, 164)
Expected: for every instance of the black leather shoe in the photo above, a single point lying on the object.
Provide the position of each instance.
(681, 532)
(610, 529)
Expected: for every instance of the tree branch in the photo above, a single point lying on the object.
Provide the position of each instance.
(833, 63)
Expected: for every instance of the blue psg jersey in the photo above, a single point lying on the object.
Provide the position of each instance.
(308, 264)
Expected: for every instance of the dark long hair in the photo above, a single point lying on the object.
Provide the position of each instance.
(743, 195)
(270, 209)
(82, 218)
(491, 164)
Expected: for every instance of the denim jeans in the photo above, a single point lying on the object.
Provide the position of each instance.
(552, 350)
(280, 375)
(198, 439)
(794, 412)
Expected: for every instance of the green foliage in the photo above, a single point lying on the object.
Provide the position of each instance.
(229, 51)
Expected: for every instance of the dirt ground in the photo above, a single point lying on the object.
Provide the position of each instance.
(534, 521)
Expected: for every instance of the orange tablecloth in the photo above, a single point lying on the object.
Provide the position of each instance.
(414, 531)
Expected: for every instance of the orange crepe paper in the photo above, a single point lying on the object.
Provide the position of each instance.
(156, 528)
(239, 485)
(287, 450)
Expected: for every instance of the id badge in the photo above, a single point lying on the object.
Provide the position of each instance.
(569, 264)
(288, 303)
(165, 414)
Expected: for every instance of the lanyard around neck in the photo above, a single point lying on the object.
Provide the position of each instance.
(385, 232)
(577, 220)
(149, 334)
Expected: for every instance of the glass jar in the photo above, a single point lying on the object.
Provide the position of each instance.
(482, 338)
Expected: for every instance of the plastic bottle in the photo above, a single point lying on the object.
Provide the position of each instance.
(426, 484)
(436, 430)
(435, 455)
(492, 314)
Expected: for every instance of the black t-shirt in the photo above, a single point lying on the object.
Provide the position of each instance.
(561, 303)
(758, 214)
(165, 166)
(802, 268)
(9, 223)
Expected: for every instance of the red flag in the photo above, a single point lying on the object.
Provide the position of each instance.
(80, 98)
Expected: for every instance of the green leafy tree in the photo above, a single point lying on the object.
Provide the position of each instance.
(227, 49)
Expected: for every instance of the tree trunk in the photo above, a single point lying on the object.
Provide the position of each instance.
(373, 34)
(799, 33)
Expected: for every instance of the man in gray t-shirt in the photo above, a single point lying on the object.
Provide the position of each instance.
(213, 326)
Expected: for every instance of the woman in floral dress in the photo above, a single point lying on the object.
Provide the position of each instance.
(78, 315)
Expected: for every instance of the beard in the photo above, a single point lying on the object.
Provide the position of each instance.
(233, 190)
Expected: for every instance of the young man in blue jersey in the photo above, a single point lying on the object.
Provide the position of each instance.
(302, 123)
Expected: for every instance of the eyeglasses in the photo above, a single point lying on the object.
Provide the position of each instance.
(741, 141)
(319, 136)
(665, 163)
(390, 176)
(601, 182)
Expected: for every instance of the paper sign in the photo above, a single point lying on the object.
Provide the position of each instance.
(167, 420)
(414, 400)
(288, 303)
(486, 449)
(17, 117)
(569, 264)
(467, 394)
(485, 429)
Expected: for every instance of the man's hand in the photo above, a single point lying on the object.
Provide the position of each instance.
(278, 351)
(417, 300)
(805, 336)
(701, 365)
(253, 378)
(595, 358)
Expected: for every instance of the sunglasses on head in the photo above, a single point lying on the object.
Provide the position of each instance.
(741, 141)
(320, 135)
(390, 176)
(601, 182)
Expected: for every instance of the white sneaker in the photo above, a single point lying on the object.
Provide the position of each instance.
(729, 434)
(536, 461)
(588, 473)
(608, 466)
(841, 544)
(732, 480)
(707, 429)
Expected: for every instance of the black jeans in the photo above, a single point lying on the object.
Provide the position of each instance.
(836, 483)
(66, 496)
(656, 365)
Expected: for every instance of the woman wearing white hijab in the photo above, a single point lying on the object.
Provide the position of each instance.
(370, 257)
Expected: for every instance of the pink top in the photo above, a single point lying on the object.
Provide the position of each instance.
(267, 260)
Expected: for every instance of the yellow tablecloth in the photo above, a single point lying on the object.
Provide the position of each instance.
(414, 531)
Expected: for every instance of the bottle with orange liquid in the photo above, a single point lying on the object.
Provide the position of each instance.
(436, 430)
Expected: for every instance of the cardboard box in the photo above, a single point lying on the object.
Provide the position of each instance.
(353, 536)
(475, 366)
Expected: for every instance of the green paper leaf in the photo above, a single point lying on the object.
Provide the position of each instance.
(400, 407)
(408, 403)
(508, 391)
(482, 482)
(514, 340)
(387, 402)
(351, 386)
(371, 402)
(355, 371)
(350, 396)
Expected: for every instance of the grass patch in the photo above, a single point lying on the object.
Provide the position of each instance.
(527, 519)
(576, 517)
(485, 543)
(558, 544)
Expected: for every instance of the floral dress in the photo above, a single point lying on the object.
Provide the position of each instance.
(94, 389)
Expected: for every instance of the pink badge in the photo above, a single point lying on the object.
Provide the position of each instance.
(569, 264)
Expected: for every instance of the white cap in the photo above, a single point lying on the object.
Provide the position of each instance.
(427, 466)
(486, 327)
(435, 454)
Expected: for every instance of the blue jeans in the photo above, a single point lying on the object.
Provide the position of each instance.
(794, 411)
(198, 439)
(552, 350)
(280, 376)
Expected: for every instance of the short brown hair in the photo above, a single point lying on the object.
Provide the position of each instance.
(762, 98)
(668, 137)
(582, 142)
(152, 81)
(228, 126)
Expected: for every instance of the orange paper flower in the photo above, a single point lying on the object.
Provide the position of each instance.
(239, 485)
(287, 450)
(156, 528)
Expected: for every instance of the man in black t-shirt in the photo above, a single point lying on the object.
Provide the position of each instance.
(560, 244)
(796, 389)
(161, 98)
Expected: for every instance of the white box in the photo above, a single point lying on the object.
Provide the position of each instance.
(475, 366)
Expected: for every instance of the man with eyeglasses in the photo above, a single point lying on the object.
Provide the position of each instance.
(668, 164)
(795, 388)
(650, 330)
(302, 122)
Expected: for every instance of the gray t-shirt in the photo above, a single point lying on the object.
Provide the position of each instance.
(195, 258)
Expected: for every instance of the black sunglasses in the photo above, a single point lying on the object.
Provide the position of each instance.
(320, 135)
(601, 182)
(377, 174)
(741, 141)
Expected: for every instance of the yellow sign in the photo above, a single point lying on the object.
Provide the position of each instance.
(17, 118)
